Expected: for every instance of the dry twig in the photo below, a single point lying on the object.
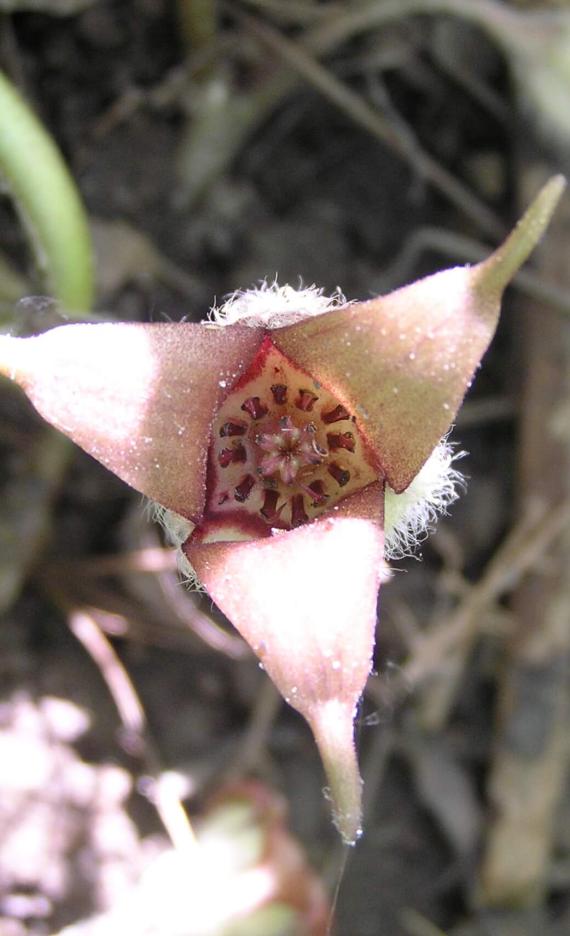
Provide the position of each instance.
(371, 120)
(84, 625)
(445, 649)
(184, 615)
(439, 655)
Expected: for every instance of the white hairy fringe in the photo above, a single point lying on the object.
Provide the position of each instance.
(273, 306)
(177, 530)
(410, 517)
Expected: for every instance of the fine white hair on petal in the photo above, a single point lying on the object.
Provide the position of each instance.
(177, 530)
(411, 515)
(273, 306)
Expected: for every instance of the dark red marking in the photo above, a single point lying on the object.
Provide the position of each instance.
(335, 415)
(279, 392)
(318, 493)
(243, 489)
(255, 408)
(232, 456)
(269, 508)
(340, 440)
(298, 513)
(341, 475)
(233, 429)
(306, 400)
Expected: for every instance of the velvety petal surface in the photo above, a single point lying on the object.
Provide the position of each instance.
(403, 362)
(139, 398)
(305, 601)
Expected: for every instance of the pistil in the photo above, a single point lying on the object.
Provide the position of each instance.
(289, 449)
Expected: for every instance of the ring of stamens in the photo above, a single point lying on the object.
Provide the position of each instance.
(283, 449)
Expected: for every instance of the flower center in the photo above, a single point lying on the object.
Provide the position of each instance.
(288, 449)
(284, 449)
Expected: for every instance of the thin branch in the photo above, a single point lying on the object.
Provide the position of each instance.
(443, 649)
(161, 563)
(148, 560)
(211, 633)
(83, 624)
(266, 707)
(293, 11)
(451, 244)
(347, 20)
(366, 116)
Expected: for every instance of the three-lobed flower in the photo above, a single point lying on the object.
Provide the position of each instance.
(280, 438)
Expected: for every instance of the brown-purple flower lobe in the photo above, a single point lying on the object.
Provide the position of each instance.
(404, 361)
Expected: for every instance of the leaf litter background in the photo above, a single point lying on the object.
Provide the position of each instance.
(207, 161)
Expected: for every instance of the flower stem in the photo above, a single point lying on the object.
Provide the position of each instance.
(332, 726)
(198, 21)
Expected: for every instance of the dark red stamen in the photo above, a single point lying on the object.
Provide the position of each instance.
(243, 489)
(335, 415)
(298, 513)
(255, 408)
(279, 392)
(306, 400)
(341, 475)
(269, 508)
(233, 429)
(340, 440)
(232, 456)
(318, 493)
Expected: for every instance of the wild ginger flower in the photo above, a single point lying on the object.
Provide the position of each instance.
(277, 437)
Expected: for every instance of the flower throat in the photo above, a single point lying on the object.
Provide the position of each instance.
(283, 449)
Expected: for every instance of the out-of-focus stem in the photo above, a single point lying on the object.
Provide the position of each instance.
(47, 201)
(198, 21)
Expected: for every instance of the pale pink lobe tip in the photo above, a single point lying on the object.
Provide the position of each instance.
(139, 398)
(306, 601)
(404, 361)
